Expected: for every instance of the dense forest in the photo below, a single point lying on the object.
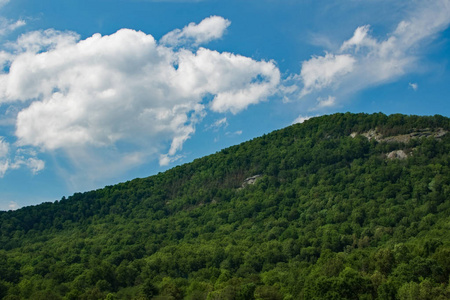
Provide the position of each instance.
(345, 206)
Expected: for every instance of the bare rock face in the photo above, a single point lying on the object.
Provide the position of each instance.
(250, 180)
(397, 154)
(440, 133)
(372, 134)
(402, 138)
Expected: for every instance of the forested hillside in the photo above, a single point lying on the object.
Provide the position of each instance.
(346, 206)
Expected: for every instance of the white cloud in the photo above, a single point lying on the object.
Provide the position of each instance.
(301, 119)
(113, 102)
(13, 205)
(166, 159)
(4, 147)
(4, 166)
(363, 60)
(246, 82)
(209, 29)
(43, 40)
(8, 205)
(237, 132)
(35, 165)
(321, 40)
(221, 122)
(218, 124)
(4, 151)
(361, 38)
(3, 2)
(6, 26)
(326, 102)
(414, 86)
(21, 158)
(321, 71)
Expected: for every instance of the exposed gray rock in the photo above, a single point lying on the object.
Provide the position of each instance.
(372, 134)
(397, 154)
(402, 138)
(250, 180)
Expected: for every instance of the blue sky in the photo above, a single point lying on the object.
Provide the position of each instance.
(96, 92)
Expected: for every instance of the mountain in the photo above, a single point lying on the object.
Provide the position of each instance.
(345, 206)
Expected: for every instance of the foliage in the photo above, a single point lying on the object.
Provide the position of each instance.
(330, 218)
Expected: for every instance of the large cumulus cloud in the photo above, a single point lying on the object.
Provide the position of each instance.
(125, 93)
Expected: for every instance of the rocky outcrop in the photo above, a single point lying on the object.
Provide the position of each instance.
(402, 138)
(250, 180)
(372, 134)
(397, 154)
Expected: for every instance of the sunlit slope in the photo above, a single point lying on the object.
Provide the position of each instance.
(346, 206)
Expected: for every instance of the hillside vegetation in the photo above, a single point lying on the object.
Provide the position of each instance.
(333, 214)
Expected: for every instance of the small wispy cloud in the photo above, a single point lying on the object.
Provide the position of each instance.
(8, 205)
(221, 123)
(21, 158)
(234, 133)
(165, 159)
(209, 29)
(413, 86)
(7, 26)
(13, 205)
(3, 2)
(326, 102)
(300, 119)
